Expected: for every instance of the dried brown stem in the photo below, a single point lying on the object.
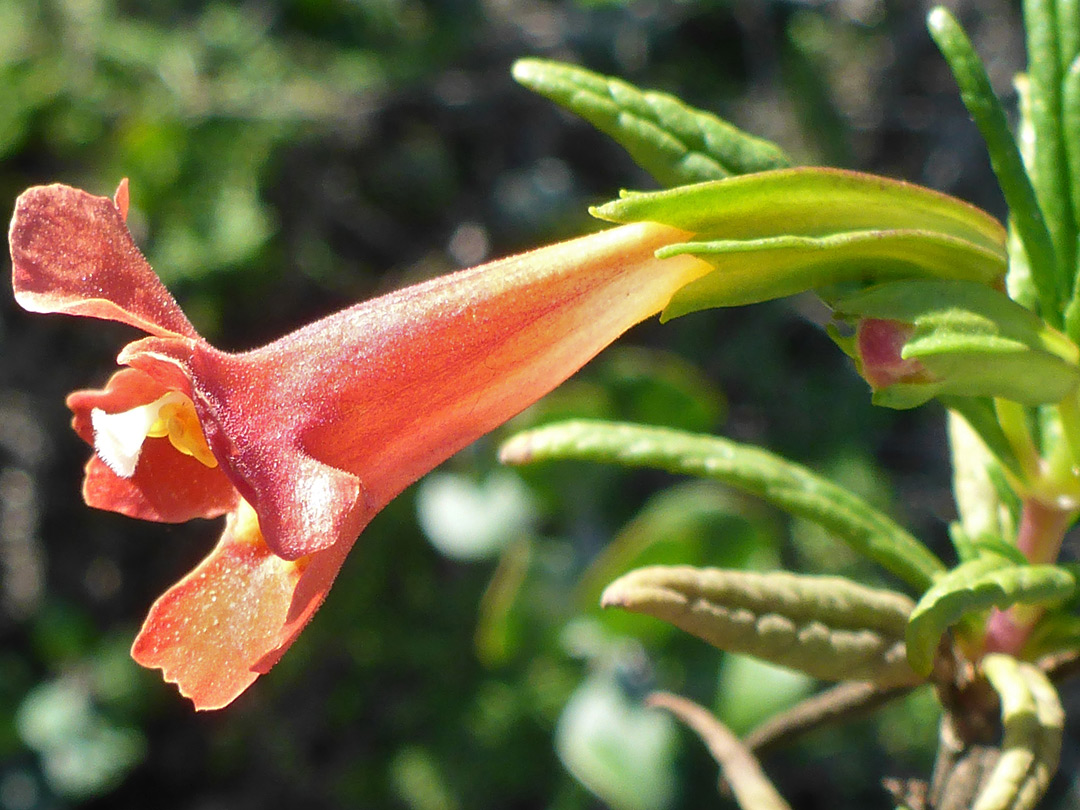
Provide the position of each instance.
(740, 768)
(837, 703)
(1061, 666)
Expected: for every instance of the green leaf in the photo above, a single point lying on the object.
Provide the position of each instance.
(989, 581)
(972, 341)
(1050, 169)
(1008, 166)
(753, 270)
(980, 419)
(1068, 25)
(674, 142)
(1033, 722)
(620, 750)
(827, 627)
(807, 202)
(1070, 114)
(785, 484)
(680, 524)
(1055, 632)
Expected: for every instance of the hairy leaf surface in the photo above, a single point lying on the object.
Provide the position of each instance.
(787, 485)
(676, 143)
(828, 627)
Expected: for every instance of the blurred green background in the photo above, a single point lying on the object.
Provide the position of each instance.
(290, 158)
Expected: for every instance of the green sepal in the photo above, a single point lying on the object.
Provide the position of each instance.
(972, 340)
(677, 144)
(1033, 724)
(787, 485)
(988, 581)
(753, 270)
(807, 202)
(828, 627)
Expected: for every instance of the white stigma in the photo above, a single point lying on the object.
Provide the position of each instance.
(119, 437)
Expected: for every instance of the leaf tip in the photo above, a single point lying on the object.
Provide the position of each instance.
(614, 595)
(524, 70)
(516, 450)
(938, 19)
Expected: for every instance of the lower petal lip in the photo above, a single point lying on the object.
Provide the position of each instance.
(213, 632)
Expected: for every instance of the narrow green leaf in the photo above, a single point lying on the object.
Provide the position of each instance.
(1018, 281)
(1033, 723)
(828, 627)
(969, 340)
(989, 581)
(674, 142)
(1070, 121)
(753, 270)
(965, 547)
(810, 202)
(1050, 175)
(1068, 22)
(979, 415)
(785, 484)
(1070, 114)
(986, 110)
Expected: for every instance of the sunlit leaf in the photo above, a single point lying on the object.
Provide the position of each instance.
(827, 627)
(1005, 157)
(753, 270)
(1033, 721)
(785, 484)
(985, 582)
(674, 142)
(810, 202)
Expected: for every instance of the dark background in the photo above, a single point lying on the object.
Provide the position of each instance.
(288, 159)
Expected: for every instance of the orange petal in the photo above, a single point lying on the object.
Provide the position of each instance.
(71, 252)
(231, 619)
(167, 486)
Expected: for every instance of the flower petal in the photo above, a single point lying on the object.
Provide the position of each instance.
(71, 252)
(252, 414)
(167, 485)
(306, 506)
(232, 618)
(323, 427)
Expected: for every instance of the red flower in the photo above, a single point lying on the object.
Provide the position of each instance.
(300, 443)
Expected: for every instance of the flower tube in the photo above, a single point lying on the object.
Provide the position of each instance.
(301, 442)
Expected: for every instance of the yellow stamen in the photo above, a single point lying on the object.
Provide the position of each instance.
(177, 420)
(118, 437)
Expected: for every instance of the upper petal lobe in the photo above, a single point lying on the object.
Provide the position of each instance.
(71, 252)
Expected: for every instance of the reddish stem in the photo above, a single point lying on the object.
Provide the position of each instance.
(1039, 537)
(1042, 528)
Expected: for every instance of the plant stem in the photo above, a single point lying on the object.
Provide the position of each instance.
(1042, 529)
(1013, 420)
(1069, 412)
